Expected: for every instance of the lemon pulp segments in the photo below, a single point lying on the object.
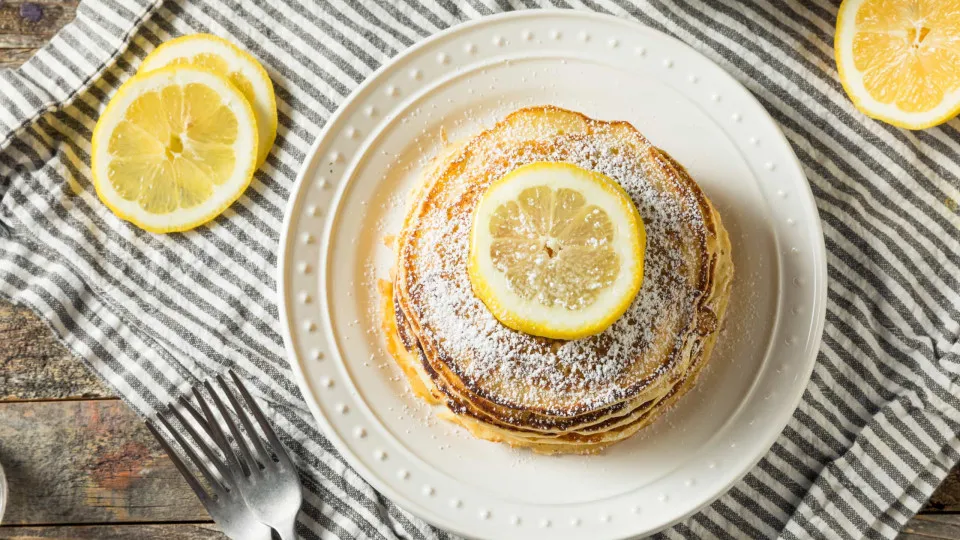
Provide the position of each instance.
(556, 250)
(907, 52)
(172, 147)
(554, 247)
(899, 60)
(213, 53)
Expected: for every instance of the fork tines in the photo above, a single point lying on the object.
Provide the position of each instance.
(204, 428)
(196, 430)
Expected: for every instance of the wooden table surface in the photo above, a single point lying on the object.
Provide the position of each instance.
(78, 461)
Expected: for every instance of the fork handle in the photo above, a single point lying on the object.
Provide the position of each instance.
(289, 532)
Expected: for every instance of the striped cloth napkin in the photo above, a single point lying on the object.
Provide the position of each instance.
(876, 431)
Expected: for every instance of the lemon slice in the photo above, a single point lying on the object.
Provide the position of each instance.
(899, 61)
(226, 59)
(173, 149)
(556, 250)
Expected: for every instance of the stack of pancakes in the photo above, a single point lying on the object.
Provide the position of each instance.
(557, 396)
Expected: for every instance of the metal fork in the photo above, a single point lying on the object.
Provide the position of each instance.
(267, 481)
(225, 504)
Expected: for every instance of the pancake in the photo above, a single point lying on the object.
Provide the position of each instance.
(549, 395)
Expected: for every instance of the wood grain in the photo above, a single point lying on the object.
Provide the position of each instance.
(34, 365)
(16, 20)
(12, 58)
(947, 496)
(20, 36)
(76, 462)
(184, 531)
(927, 527)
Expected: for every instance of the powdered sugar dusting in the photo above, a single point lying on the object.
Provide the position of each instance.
(520, 370)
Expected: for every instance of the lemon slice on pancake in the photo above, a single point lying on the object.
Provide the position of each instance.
(556, 250)
(898, 60)
(226, 59)
(174, 148)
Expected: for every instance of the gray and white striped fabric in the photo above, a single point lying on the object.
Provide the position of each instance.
(876, 431)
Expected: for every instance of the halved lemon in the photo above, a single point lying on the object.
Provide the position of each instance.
(899, 60)
(226, 59)
(173, 149)
(556, 250)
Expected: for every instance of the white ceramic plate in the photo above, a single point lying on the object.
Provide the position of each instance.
(352, 193)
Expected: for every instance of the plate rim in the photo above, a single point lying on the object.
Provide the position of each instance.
(312, 161)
